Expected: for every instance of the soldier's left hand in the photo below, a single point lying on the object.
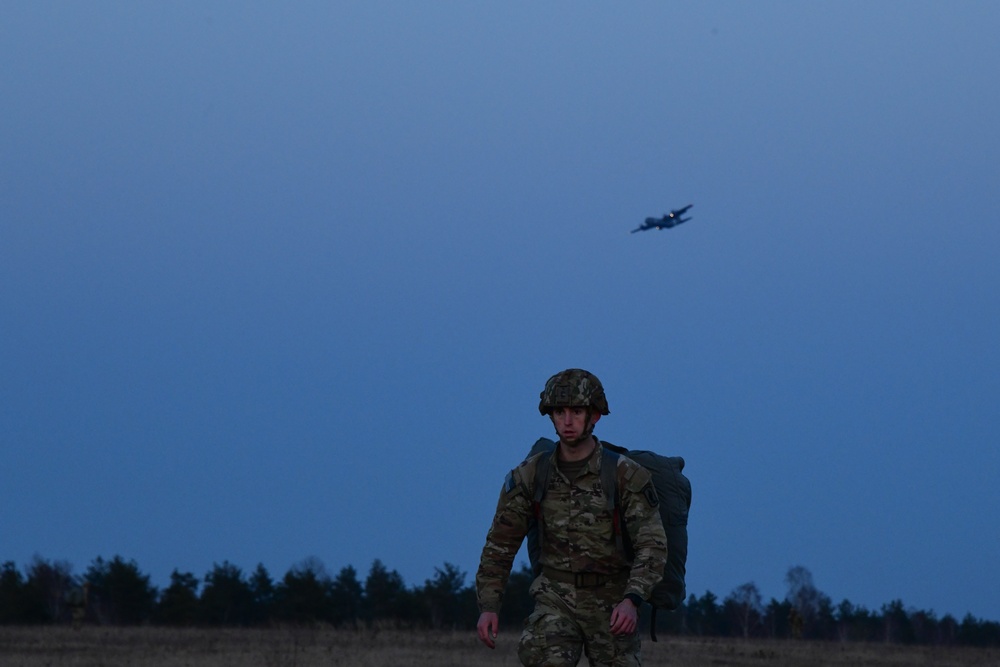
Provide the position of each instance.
(624, 618)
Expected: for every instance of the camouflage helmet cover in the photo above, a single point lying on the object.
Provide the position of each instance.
(573, 387)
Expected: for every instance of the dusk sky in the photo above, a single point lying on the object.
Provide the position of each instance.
(284, 280)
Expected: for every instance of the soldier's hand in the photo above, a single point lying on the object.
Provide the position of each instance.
(624, 618)
(487, 628)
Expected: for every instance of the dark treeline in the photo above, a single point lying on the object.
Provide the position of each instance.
(117, 592)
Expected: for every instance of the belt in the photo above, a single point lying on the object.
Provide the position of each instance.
(584, 579)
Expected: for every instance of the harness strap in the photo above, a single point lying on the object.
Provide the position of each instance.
(543, 471)
(609, 485)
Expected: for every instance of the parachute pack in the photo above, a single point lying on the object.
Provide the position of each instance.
(673, 490)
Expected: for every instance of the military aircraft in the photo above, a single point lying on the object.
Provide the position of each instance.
(671, 219)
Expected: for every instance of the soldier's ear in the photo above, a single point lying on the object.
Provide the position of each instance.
(595, 416)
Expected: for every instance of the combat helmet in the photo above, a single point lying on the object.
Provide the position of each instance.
(573, 387)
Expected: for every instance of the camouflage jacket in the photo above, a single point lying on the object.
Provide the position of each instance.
(579, 530)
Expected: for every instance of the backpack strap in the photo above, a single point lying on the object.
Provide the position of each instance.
(609, 480)
(543, 472)
(609, 484)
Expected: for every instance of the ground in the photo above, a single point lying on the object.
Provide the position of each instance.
(297, 647)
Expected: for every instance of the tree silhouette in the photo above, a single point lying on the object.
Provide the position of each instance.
(122, 594)
(897, 623)
(746, 608)
(807, 602)
(704, 614)
(178, 604)
(444, 598)
(16, 605)
(226, 598)
(776, 619)
(262, 595)
(47, 588)
(345, 598)
(386, 597)
(302, 595)
(846, 617)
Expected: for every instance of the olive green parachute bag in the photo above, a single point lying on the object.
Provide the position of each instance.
(673, 491)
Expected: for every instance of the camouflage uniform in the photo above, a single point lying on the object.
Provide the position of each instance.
(584, 573)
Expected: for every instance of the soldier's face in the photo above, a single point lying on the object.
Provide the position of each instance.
(571, 423)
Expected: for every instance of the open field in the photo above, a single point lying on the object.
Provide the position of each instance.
(297, 647)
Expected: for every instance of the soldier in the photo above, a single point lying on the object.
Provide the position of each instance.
(588, 593)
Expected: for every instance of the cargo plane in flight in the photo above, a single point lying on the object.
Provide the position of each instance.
(671, 219)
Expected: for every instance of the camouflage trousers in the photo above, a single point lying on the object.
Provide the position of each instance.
(570, 621)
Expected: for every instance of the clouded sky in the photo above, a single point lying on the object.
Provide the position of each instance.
(281, 281)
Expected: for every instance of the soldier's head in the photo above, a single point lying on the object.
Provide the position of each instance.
(574, 391)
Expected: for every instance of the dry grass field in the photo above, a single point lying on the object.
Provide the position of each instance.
(296, 647)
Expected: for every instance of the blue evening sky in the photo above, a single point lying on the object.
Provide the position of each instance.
(282, 280)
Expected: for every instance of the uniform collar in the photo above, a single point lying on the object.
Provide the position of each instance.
(593, 462)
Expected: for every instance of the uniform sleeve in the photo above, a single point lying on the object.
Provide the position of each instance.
(640, 508)
(510, 525)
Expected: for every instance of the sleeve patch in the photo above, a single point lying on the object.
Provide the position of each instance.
(509, 483)
(650, 494)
